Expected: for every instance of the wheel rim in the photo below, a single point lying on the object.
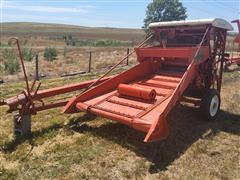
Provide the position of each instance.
(214, 105)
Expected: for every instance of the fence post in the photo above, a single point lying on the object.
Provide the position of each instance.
(36, 68)
(127, 55)
(90, 62)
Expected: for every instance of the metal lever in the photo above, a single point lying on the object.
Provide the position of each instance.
(22, 63)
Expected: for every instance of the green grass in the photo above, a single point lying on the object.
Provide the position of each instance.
(56, 31)
(3, 44)
(83, 146)
(104, 43)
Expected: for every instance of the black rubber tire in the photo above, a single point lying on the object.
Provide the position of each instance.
(206, 103)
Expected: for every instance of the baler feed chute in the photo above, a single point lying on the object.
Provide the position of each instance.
(142, 96)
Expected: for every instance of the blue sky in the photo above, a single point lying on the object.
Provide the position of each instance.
(107, 13)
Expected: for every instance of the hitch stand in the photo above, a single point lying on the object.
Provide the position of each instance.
(22, 127)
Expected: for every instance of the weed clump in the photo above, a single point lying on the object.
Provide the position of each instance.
(50, 54)
(69, 40)
(10, 61)
(103, 43)
(2, 44)
(27, 54)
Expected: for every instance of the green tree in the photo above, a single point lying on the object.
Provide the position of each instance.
(164, 10)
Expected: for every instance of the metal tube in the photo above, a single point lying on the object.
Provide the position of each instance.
(22, 63)
(36, 72)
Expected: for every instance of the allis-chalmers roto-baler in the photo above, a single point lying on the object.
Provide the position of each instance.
(180, 61)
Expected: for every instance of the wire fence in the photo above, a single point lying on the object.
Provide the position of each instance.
(91, 61)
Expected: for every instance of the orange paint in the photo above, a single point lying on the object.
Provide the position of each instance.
(138, 92)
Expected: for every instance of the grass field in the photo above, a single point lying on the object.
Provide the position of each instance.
(74, 60)
(111, 44)
(54, 31)
(35, 37)
(83, 146)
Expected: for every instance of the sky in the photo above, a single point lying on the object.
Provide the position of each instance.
(107, 13)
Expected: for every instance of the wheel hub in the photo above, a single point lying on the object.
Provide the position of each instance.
(214, 105)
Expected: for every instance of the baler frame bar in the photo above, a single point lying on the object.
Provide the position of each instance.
(22, 99)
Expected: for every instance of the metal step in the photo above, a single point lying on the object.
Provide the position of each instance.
(162, 83)
(170, 73)
(165, 79)
(156, 85)
(126, 104)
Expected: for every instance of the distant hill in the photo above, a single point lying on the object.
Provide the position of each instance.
(54, 30)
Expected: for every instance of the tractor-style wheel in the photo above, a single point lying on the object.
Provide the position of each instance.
(211, 104)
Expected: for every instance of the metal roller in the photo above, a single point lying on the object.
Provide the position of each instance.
(128, 90)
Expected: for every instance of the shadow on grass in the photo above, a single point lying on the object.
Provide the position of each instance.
(49, 131)
(12, 145)
(186, 125)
